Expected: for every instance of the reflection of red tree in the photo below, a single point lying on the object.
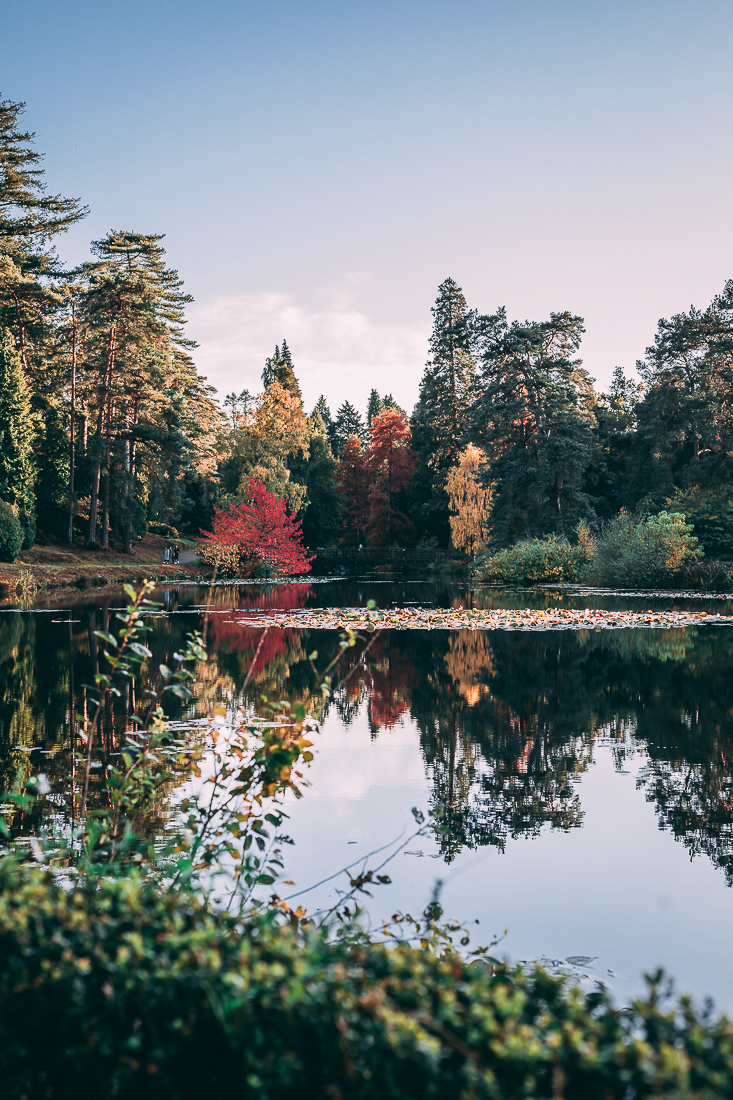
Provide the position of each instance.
(228, 634)
(389, 679)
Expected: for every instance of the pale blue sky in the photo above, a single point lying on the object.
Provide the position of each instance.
(319, 167)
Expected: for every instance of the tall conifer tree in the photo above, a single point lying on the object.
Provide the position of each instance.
(279, 368)
(441, 416)
(348, 422)
(375, 407)
(533, 421)
(17, 472)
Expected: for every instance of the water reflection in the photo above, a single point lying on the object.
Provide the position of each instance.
(508, 723)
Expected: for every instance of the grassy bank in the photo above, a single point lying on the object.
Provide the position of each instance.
(59, 566)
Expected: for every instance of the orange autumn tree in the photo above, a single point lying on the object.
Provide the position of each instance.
(470, 501)
(392, 463)
(354, 478)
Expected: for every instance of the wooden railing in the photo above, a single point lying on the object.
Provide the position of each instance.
(374, 555)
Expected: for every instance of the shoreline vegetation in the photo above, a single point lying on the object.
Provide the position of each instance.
(58, 569)
(110, 431)
(121, 951)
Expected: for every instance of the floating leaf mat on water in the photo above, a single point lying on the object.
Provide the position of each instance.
(422, 618)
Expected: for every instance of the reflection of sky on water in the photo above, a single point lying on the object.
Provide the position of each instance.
(618, 888)
(570, 763)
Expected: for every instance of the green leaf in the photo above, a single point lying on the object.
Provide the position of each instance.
(108, 638)
(165, 671)
(140, 650)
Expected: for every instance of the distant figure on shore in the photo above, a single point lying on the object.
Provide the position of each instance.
(175, 555)
(167, 555)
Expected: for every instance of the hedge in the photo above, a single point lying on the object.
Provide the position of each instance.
(115, 989)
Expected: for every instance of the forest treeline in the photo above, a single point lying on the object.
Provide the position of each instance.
(107, 429)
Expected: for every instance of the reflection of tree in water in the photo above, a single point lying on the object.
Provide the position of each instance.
(500, 767)
(685, 720)
(507, 720)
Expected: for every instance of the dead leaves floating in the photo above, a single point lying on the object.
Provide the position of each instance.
(423, 618)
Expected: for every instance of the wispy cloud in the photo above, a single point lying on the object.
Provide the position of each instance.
(338, 351)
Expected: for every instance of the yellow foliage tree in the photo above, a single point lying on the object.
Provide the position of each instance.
(270, 428)
(470, 502)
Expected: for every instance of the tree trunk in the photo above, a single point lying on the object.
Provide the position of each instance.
(559, 483)
(21, 333)
(127, 549)
(97, 467)
(72, 457)
(107, 471)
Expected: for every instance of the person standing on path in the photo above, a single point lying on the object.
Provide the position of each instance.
(175, 555)
(167, 555)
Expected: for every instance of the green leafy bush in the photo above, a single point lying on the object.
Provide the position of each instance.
(655, 550)
(710, 511)
(536, 560)
(118, 989)
(11, 533)
(164, 530)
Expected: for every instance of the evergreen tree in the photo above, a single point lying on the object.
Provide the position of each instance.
(318, 474)
(441, 416)
(389, 403)
(374, 408)
(608, 476)
(17, 470)
(280, 369)
(146, 402)
(685, 427)
(322, 409)
(348, 422)
(29, 219)
(531, 421)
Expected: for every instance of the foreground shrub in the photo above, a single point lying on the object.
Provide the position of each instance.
(11, 533)
(117, 989)
(655, 550)
(535, 560)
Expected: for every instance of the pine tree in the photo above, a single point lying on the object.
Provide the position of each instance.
(389, 402)
(608, 478)
(685, 428)
(29, 219)
(280, 369)
(146, 401)
(318, 474)
(17, 470)
(531, 421)
(348, 422)
(441, 416)
(321, 407)
(374, 408)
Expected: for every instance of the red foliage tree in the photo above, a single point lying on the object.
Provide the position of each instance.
(354, 480)
(392, 462)
(259, 531)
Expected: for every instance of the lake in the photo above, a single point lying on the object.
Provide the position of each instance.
(585, 778)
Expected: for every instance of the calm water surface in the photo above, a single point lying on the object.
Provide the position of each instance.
(586, 778)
